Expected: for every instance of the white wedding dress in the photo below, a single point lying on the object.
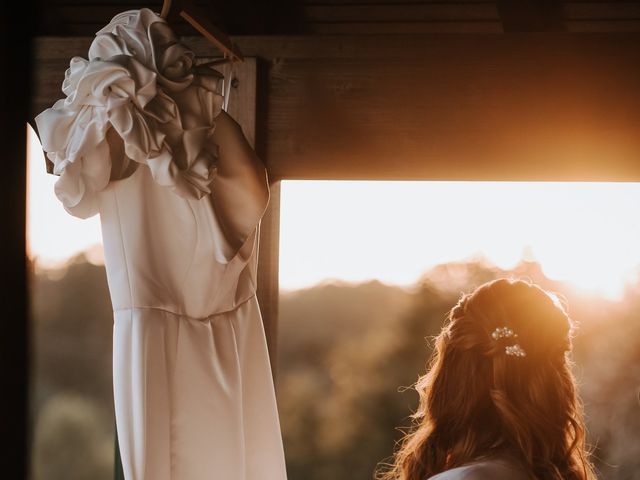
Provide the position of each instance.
(132, 141)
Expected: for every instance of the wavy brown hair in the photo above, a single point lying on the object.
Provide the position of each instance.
(478, 402)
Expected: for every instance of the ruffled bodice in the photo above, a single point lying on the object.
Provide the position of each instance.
(133, 141)
(139, 99)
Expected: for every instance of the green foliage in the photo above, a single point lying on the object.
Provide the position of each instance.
(348, 356)
(342, 405)
(72, 400)
(73, 441)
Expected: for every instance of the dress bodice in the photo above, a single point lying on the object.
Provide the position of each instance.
(169, 252)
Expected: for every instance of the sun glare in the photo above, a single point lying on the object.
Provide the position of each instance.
(586, 234)
(53, 236)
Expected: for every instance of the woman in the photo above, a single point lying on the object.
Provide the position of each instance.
(499, 401)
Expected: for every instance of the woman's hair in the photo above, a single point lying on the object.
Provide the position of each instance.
(499, 384)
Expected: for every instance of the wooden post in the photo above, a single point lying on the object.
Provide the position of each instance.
(15, 340)
(245, 106)
(268, 272)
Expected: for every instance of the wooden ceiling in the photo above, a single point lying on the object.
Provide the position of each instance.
(283, 17)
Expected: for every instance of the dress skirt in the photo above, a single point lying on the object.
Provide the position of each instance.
(194, 398)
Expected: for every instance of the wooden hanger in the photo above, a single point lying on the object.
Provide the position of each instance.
(188, 10)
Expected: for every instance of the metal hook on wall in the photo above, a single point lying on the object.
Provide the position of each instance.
(228, 81)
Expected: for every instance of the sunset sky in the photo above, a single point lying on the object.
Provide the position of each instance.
(585, 233)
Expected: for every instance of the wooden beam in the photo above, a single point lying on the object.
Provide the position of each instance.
(601, 11)
(531, 15)
(479, 107)
(602, 26)
(78, 17)
(269, 254)
(529, 106)
(402, 12)
(268, 268)
(404, 28)
(245, 108)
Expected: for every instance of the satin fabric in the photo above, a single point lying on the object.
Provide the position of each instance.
(194, 397)
(134, 85)
(494, 468)
(193, 392)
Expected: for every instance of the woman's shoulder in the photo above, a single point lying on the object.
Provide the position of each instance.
(485, 470)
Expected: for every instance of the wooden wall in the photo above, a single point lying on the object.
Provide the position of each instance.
(258, 17)
(525, 106)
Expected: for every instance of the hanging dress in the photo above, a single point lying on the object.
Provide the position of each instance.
(132, 141)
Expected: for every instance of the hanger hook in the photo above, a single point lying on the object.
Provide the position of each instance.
(227, 83)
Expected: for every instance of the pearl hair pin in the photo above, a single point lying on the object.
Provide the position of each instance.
(514, 350)
(503, 332)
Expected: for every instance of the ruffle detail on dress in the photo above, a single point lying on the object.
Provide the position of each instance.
(142, 84)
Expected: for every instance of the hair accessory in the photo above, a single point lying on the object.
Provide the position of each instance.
(514, 350)
(503, 332)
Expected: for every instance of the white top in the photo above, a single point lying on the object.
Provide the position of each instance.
(494, 469)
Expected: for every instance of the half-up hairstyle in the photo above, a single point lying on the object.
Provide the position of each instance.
(499, 384)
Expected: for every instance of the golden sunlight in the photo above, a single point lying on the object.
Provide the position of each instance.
(53, 236)
(587, 234)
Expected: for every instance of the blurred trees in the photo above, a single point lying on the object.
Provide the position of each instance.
(72, 399)
(349, 355)
(607, 356)
(73, 440)
(341, 411)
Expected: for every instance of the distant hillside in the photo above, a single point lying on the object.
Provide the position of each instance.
(314, 316)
